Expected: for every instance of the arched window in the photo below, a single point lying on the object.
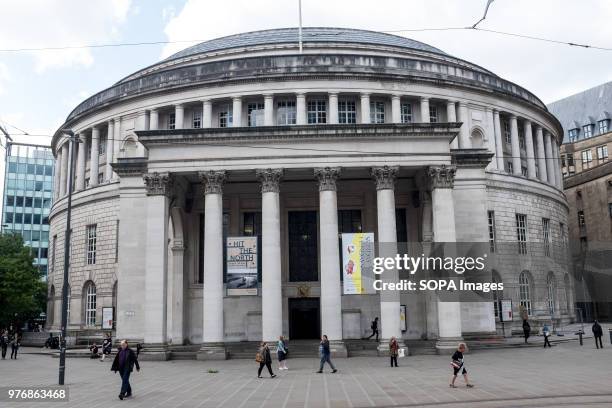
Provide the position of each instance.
(51, 306)
(497, 295)
(524, 291)
(90, 303)
(550, 291)
(568, 293)
(477, 138)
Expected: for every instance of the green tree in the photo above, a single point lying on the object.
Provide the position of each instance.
(22, 292)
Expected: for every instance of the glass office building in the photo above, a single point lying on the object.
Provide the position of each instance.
(28, 192)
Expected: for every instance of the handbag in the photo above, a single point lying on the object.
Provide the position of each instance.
(259, 357)
(401, 353)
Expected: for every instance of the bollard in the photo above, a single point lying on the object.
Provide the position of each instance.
(610, 331)
(580, 333)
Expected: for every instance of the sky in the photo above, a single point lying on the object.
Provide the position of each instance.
(38, 89)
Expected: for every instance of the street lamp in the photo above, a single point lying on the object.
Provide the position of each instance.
(72, 139)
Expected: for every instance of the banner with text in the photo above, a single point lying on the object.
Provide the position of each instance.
(241, 266)
(357, 257)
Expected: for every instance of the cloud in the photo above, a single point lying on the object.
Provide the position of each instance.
(550, 71)
(53, 23)
(4, 76)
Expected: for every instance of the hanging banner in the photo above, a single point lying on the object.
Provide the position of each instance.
(241, 263)
(357, 261)
(403, 323)
(506, 310)
(107, 318)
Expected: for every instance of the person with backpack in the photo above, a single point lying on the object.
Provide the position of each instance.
(264, 358)
(374, 327)
(546, 333)
(325, 355)
(124, 363)
(597, 333)
(281, 351)
(457, 365)
(526, 329)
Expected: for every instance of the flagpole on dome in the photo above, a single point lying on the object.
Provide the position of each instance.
(300, 25)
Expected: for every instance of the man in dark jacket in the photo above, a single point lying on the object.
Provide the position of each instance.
(4, 342)
(597, 333)
(374, 327)
(124, 363)
(325, 354)
(526, 329)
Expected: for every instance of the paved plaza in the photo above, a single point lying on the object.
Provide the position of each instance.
(566, 375)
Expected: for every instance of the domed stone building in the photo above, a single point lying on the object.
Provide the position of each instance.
(246, 136)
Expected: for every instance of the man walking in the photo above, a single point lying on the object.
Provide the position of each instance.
(374, 327)
(4, 341)
(325, 354)
(546, 333)
(597, 333)
(124, 363)
(15, 346)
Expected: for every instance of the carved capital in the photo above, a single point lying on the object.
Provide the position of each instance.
(213, 181)
(158, 183)
(441, 176)
(385, 177)
(270, 179)
(327, 177)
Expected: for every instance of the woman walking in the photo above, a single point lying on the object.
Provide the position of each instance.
(393, 350)
(264, 359)
(281, 351)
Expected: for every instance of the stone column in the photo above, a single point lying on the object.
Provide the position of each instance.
(271, 285)
(516, 149)
(443, 228)
(268, 110)
(154, 119)
(396, 109)
(331, 292)
(206, 114)
(424, 109)
(384, 178)
(69, 173)
(213, 335)
(57, 173)
(531, 169)
(499, 146)
(451, 116)
(80, 166)
(333, 107)
(159, 188)
(64, 170)
(110, 141)
(300, 109)
(557, 164)
(176, 281)
(490, 140)
(117, 143)
(464, 131)
(431, 300)
(95, 157)
(365, 107)
(179, 116)
(541, 154)
(236, 111)
(550, 168)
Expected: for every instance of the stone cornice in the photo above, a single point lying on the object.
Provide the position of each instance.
(126, 167)
(441, 176)
(384, 177)
(446, 131)
(327, 177)
(601, 171)
(213, 181)
(270, 179)
(471, 158)
(159, 183)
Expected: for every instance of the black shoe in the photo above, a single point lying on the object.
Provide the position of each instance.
(334, 371)
(128, 395)
(273, 375)
(121, 397)
(319, 372)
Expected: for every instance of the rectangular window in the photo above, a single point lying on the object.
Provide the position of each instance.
(610, 209)
(603, 126)
(285, 113)
(197, 119)
(491, 217)
(317, 111)
(510, 167)
(546, 235)
(581, 223)
(102, 145)
(91, 244)
(225, 116)
(570, 160)
(251, 226)
(507, 132)
(406, 113)
(100, 178)
(255, 114)
(346, 112)
(602, 153)
(521, 233)
(573, 135)
(377, 112)
(521, 135)
(171, 121)
(524, 171)
(587, 131)
(563, 235)
(303, 247)
(54, 252)
(587, 158)
(433, 114)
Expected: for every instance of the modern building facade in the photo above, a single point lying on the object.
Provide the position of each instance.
(245, 136)
(587, 179)
(28, 195)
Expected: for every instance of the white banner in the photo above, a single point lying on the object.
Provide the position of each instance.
(357, 262)
(241, 262)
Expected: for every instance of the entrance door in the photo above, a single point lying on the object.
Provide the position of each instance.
(304, 318)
